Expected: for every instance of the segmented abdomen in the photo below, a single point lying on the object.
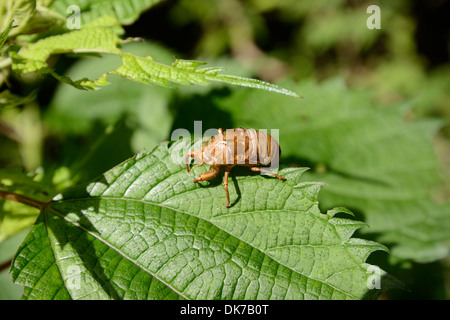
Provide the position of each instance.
(243, 147)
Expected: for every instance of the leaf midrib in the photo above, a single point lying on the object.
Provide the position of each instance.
(110, 246)
(187, 213)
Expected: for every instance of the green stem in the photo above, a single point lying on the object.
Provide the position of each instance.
(6, 195)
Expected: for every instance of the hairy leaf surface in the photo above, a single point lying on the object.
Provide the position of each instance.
(144, 230)
(374, 161)
(101, 36)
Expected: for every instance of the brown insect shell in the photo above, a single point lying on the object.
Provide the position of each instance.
(239, 146)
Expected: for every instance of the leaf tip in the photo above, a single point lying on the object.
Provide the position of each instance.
(334, 211)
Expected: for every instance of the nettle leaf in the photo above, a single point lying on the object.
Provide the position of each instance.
(125, 11)
(185, 72)
(373, 160)
(101, 36)
(144, 230)
(19, 12)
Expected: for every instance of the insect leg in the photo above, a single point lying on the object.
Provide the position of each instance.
(225, 183)
(267, 171)
(189, 154)
(208, 175)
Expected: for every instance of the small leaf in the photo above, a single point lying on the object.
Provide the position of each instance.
(98, 36)
(145, 230)
(185, 72)
(4, 35)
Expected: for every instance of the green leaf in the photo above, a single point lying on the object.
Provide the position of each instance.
(7, 250)
(144, 230)
(125, 11)
(8, 99)
(373, 161)
(4, 35)
(185, 72)
(38, 185)
(18, 11)
(100, 36)
(145, 109)
(15, 217)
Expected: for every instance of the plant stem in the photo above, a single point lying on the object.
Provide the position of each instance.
(5, 265)
(6, 195)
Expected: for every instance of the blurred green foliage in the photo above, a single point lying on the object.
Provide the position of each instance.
(374, 121)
